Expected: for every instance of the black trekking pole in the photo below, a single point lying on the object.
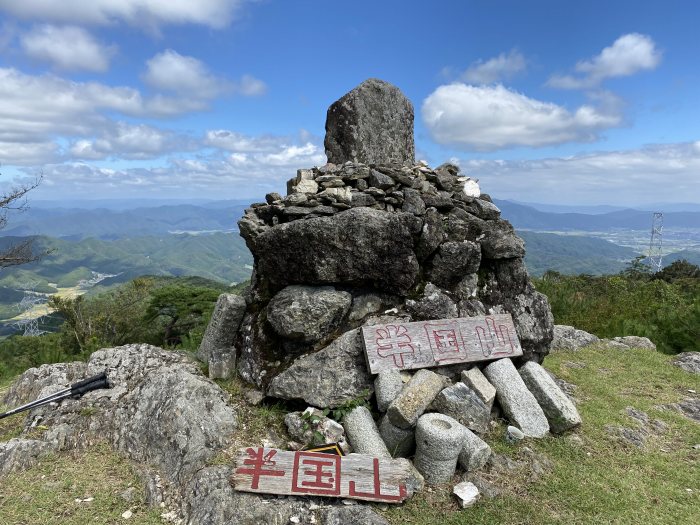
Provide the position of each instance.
(76, 390)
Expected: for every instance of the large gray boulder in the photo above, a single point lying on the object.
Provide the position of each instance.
(688, 361)
(570, 338)
(307, 313)
(329, 377)
(360, 247)
(160, 410)
(372, 124)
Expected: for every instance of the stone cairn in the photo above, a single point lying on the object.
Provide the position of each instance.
(373, 237)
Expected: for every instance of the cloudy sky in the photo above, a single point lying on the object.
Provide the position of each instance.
(543, 101)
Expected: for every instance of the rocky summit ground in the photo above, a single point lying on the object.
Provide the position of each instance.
(635, 459)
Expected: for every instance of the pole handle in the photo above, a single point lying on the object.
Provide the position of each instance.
(95, 385)
(89, 380)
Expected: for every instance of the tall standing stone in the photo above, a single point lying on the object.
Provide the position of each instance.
(217, 347)
(372, 124)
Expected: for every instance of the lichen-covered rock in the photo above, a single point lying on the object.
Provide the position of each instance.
(359, 247)
(515, 399)
(463, 404)
(210, 500)
(363, 433)
(415, 398)
(159, 411)
(570, 338)
(453, 261)
(329, 377)
(560, 411)
(399, 441)
(34, 381)
(432, 304)
(688, 361)
(387, 386)
(372, 124)
(19, 454)
(307, 313)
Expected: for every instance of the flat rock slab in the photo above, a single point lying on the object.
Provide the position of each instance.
(327, 378)
(560, 411)
(516, 400)
(273, 471)
(440, 342)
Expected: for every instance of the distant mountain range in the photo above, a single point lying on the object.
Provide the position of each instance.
(125, 239)
(527, 217)
(111, 224)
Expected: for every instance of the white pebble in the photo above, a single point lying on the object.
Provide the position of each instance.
(127, 515)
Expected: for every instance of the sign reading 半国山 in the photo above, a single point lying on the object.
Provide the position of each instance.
(304, 473)
(440, 342)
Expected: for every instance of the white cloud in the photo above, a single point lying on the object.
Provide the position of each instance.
(261, 165)
(213, 13)
(662, 172)
(188, 77)
(503, 66)
(130, 141)
(31, 120)
(629, 54)
(250, 86)
(238, 142)
(171, 71)
(69, 47)
(488, 118)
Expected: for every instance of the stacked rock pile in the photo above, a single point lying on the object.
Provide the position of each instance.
(443, 422)
(372, 234)
(374, 237)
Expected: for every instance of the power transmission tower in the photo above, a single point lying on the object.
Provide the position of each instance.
(28, 322)
(655, 255)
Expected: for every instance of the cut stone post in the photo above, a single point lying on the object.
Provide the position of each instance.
(387, 386)
(515, 399)
(372, 124)
(415, 398)
(216, 348)
(475, 452)
(439, 441)
(560, 411)
(476, 380)
(399, 441)
(363, 434)
(463, 404)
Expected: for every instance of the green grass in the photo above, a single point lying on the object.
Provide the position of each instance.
(593, 479)
(599, 480)
(46, 493)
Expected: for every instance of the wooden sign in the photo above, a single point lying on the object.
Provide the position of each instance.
(303, 473)
(440, 342)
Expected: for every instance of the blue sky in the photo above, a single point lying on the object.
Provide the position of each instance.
(543, 101)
